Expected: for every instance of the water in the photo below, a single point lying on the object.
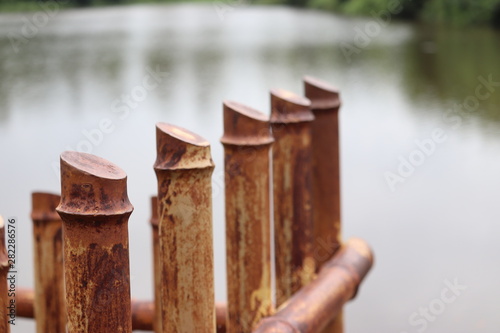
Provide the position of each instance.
(403, 83)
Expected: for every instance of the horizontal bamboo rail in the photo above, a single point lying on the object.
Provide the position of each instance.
(142, 311)
(315, 305)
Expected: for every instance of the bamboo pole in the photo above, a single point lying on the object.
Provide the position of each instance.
(316, 304)
(184, 168)
(156, 264)
(4, 289)
(247, 143)
(291, 124)
(142, 311)
(95, 210)
(49, 305)
(325, 104)
(25, 302)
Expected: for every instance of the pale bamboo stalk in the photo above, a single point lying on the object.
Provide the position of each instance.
(184, 168)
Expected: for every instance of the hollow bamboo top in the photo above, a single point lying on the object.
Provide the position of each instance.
(244, 126)
(43, 206)
(177, 149)
(92, 186)
(323, 96)
(154, 211)
(4, 259)
(287, 107)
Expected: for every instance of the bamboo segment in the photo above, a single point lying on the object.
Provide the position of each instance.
(156, 264)
(4, 289)
(49, 304)
(316, 304)
(325, 104)
(247, 143)
(95, 210)
(291, 124)
(184, 168)
(25, 302)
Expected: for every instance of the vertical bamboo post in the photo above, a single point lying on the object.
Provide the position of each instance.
(247, 143)
(49, 303)
(291, 124)
(4, 289)
(95, 210)
(325, 104)
(184, 168)
(156, 265)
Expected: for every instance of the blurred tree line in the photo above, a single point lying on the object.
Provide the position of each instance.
(457, 11)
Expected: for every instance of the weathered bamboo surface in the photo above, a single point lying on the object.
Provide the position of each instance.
(325, 104)
(318, 303)
(95, 210)
(142, 311)
(291, 121)
(184, 168)
(4, 289)
(247, 142)
(156, 264)
(50, 304)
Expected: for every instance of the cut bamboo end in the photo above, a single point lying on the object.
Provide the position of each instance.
(322, 95)
(184, 169)
(48, 256)
(244, 126)
(92, 186)
(292, 120)
(178, 148)
(95, 210)
(287, 107)
(43, 206)
(247, 143)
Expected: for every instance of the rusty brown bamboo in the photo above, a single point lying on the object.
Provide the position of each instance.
(247, 143)
(156, 264)
(325, 104)
(142, 311)
(318, 303)
(4, 289)
(48, 257)
(291, 121)
(95, 210)
(25, 302)
(184, 168)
